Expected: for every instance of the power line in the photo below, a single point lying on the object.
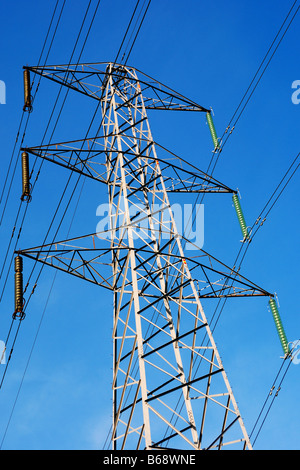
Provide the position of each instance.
(45, 132)
(257, 82)
(70, 176)
(29, 114)
(18, 132)
(272, 401)
(127, 30)
(248, 89)
(138, 30)
(20, 204)
(35, 338)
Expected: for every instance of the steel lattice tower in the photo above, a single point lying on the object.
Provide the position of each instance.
(169, 385)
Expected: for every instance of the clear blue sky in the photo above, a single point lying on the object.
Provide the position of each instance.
(208, 51)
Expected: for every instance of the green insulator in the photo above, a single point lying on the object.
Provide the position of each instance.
(279, 327)
(212, 130)
(237, 205)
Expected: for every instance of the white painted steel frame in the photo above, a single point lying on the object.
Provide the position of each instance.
(169, 385)
(133, 324)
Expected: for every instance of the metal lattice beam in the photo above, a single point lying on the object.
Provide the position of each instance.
(91, 258)
(89, 157)
(91, 79)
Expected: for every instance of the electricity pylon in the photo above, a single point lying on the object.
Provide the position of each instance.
(170, 389)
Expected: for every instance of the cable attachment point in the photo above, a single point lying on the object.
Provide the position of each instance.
(277, 391)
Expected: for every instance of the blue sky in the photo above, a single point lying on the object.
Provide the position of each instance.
(208, 51)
